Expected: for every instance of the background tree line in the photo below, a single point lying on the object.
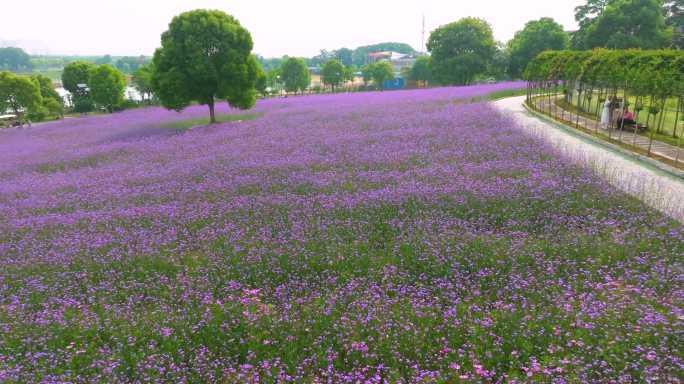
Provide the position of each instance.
(462, 52)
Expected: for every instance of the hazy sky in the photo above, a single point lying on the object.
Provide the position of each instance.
(278, 27)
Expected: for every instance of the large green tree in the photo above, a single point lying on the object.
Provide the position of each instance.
(461, 50)
(382, 71)
(621, 24)
(537, 36)
(295, 74)
(675, 19)
(333, 73)
(20, 94)
(52, 103)
(345, 56)
(130, 64)
(422, 69)
(367, 74)
(75, 80)
(205, 56)
(14, 59)
(142, 82)
(262, 83)
(107, 86)
(75, 76)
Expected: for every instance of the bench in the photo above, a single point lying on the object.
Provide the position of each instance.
(634, 127)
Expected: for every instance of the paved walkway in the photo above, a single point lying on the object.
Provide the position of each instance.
(657, 148)
(657, 188)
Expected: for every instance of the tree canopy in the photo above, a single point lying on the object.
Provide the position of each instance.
(107, 86)
(675, 20)
(381, 71)
(537, 36)
(76, 73)
(642, 72)
(262, 82)
(422, 69)
(461, 50)
(142, 81)
(14, 59)
(19, 93)
(295, 74)
(621, 24)
(51, 104)
(333, 73)
(359, 56)
(130, 64)
(367, 74)
(205, 55)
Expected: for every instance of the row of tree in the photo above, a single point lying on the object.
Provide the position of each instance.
(15, 60)
(466, 49)
(92, 86)
(352, 58)
(642, 72)
(652, 77)
(295, 75)
(622, 24)
(29, 97)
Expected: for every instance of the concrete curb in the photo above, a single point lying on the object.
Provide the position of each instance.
(672, 171)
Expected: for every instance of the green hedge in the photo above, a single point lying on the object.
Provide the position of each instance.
(659, 72)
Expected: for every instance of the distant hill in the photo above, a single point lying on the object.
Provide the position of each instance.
(357, 56)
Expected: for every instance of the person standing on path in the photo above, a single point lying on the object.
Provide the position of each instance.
(605, 116)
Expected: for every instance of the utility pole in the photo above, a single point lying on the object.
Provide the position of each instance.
(422, 39)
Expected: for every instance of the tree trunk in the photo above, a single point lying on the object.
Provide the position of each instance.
(662, 115)
(676, 122)
(212, 115)
(648, 119)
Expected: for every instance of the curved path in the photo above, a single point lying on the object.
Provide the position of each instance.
(647, 182)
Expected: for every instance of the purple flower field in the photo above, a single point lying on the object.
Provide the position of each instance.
(387, 237)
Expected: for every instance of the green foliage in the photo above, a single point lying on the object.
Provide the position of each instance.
(262, 82)
(74, 74)
(205, 55)
(333, 73)
(422, 69)
(52, 104)
(621, 24)
(537, 36)
(345, 56)
(350, 73)
(367, 74)
(295, 74)
(106, 59)
(20, 94)
(461, 50)
(270, 64)
(381, 71)
(14, 59)
(130, 64)
(499, 66)
(142, 81)
(107, 85)
(658, 73)
(47, 90)
(674, 11)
